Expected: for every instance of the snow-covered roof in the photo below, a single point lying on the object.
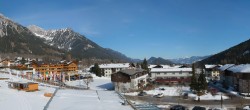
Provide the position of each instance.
(163, 66)
(151, 66)
(226, 66)
(243, 68)
(114, 65)
(131, 71)
(210, 66)
(170, 69)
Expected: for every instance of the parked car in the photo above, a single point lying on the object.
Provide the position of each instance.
(162, 89)
(177, 107)
(199, 108)
(142, 93)
(160, 95)
(246, 107)
(185, 96)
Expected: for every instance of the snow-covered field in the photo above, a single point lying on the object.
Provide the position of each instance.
(87, 100)
(99, 83)
(97, 98)
(12, 99)
(169, 91)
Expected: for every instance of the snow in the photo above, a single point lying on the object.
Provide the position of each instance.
(99, 83)
(87, 100)
(169, 91)
(22, 100)
(97, 98)
(177, 91)
(170, 69)
(243, 68)
(226, 66)
(117, 65)
(246, 52)
(210, 66)
(44, 37)
(208, 96)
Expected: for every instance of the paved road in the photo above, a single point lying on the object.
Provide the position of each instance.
(174, 100)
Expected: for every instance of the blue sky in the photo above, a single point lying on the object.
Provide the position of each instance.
(143, 28)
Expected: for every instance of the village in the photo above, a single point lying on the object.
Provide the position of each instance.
(60, 85)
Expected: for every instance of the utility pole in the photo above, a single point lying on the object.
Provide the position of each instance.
(221, 100)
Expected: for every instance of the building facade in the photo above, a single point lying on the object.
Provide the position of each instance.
(171, 75)
(212, 72)
(108, 69)
(129, 79)
(240, 76)
(55, 71)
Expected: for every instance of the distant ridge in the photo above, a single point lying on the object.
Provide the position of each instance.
(159, 60)
(239, 54)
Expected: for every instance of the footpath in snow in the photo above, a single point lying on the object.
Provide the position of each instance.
(99, 97)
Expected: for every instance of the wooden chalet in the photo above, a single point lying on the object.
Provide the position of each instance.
(49, 71)
(26, 86)
(129, 79)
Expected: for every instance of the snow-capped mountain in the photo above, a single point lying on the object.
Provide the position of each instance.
(188, 60)
(6, 26)
(61, 38)
(15, 38)
(159, 60)
(76, 44)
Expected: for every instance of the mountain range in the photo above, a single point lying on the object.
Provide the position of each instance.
(15, 38)
(239, 54)
(189, 60)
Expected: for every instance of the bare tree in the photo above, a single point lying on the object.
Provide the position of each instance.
(87, 79)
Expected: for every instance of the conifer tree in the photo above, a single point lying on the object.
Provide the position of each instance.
(144, 65)
(193, 85)
(202, 82)
(96, 69)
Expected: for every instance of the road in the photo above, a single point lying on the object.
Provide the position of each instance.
(175, 100)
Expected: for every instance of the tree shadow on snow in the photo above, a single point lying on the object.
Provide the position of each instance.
(108, 86)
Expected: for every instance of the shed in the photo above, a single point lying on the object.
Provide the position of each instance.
(26, 86)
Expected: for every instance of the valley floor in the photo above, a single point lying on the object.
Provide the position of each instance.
(97, 98)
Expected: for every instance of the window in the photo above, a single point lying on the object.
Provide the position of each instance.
(158, 73)
(180, 72)
(173, 73)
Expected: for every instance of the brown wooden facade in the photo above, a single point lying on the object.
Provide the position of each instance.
(29, 86)
(56, 69)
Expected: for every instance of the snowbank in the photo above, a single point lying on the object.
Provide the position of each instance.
(169, 91)
(208, 96)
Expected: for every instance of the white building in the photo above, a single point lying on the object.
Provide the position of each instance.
(129, 79)
(212, 72)
(171, 75)
(108, 69)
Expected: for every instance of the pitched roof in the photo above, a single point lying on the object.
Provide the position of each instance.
(115, 65)
(243, 68)
(226, 66)
(131, 71)
(170, 69)
(210, 66)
